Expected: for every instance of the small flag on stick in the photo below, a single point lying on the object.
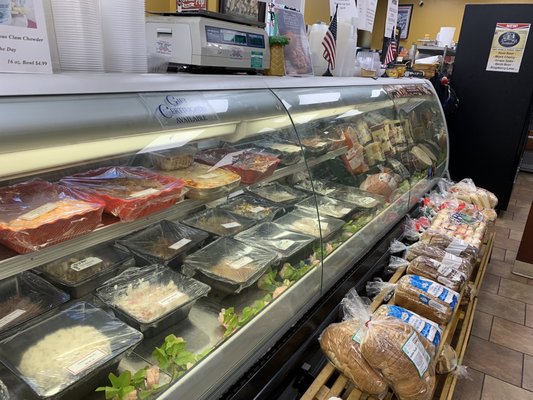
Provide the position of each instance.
(330, 44)
(392, 50)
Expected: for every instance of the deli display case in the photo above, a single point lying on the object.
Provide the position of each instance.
(285, 185)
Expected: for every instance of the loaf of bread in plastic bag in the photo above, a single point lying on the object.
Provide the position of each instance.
(447, 242)
(426, 298)
(452, 278)
(397, 350)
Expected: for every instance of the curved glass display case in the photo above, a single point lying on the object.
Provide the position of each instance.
(254, 196)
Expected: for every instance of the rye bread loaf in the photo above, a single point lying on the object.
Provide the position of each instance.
(403, 357)
(344, 352)
(452, 278)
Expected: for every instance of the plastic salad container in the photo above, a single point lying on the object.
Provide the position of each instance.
(289, 154)
(153, 298)
(253, 207)
(176, 158)
(163, 243)
(26, 297)
(205, 182)
(228, 266)
(219, 222)
(291, 246)
(328, 206)
(315, 146)
(308, 223)
(36, 214)
(279, 194)
(69, 354)
(128, 192)
(320, 187)
(357, 196)
(80, 273)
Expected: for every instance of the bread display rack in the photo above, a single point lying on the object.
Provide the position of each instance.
(331, 383)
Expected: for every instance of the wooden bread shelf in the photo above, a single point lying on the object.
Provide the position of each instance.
(331, 383)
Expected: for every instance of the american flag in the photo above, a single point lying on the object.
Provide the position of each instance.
(330, 42)
(391, 51)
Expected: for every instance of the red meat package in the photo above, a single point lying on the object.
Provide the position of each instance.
(354, 159)
(128, 192)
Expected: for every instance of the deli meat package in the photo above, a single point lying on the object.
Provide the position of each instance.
(128, 192)
(402, 355)
(426, 298)
(37, 214)
(423, 249)
(341, 346)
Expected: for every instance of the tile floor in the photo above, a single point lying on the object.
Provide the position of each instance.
(500, 351)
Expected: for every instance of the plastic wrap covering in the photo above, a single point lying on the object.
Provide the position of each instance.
(278, 194)
(37, 214)
(402, 355)
(309, 224)
(25, 297)
(467, 191)
(291, 246)
(205, 182)
(164, 243)
(416, 159)
(452, 278)
(431, 331)
(253, 207)
(249, 165)
(315, 146)
(171, 159)
(62, 355)
(423, 249)
(4, 392)
(447, 360)
(219, 222)
(128, 192)
(443, 240)
(328, 206)
(289, 154)
(426, 298)
(228, 265)
(383, 184)
(152, 298)
(342, 347)
(80, 273)
(460, 225)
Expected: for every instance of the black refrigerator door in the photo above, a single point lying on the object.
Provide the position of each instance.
(487, 134)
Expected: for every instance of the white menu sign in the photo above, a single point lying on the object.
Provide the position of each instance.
(367, 14)
(346, 11)
(392, 17)
(508, 45)
(24, 43)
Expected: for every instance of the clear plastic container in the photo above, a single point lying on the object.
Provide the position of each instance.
(253, 207)
(80, 273)
(228, 266)
(328, 206)
(171, 159)
(308, 223)
(69, 354)
(205, 182)
(320, 187)
(278, 194)
(26, 297)
(289, 154)
(37, 214)
(219, 222)
(291, 246)
(153, 298)
(163, 243)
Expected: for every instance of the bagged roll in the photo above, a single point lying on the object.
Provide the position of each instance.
(450, 244)
(402, 355)
(426, 298)
(447, 360)
(340, 346)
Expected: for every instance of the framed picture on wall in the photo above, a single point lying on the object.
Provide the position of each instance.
(252, 10)
(404, 19)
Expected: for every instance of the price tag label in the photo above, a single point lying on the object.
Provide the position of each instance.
(284, 244)
(230, 225)
(257, 209)
(345, 211)
(237, 264)
(172, 298)
(208, 176)
(414, 349)
(37, 212)
(86, 362)
(179, 244)
(143, 193)
(85, 263)
(11, 317)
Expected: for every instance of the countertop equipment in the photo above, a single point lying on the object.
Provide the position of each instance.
(205, 39)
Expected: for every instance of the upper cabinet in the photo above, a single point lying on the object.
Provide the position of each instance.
(253, 195)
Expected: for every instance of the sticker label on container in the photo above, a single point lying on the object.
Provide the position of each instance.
(365, 200)
(171, 298)
(85, 263)
(179, 244)
(11, 317)
(241, 262)
(143, 193)
(208, 176)
(435, 289)
(414, 349)
(345, 211)
(86, 362)
(284, 244)
(429, 329)
(358, 336)
(37, 212)
(257, 209)
(452, 260)
(230, 225)
(433, 304)
(457, 246)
